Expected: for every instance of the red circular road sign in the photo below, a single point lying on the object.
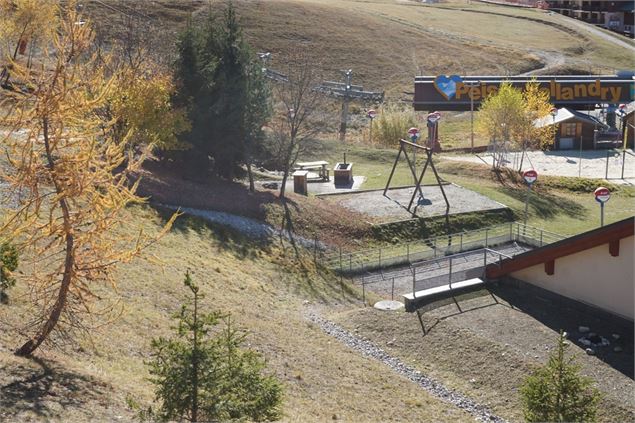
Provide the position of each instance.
(414, 134)
(434, 116)
(371, 114)
(530, 176)
(602, 195)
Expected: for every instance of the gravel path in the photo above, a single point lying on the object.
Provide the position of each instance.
(247, 226)
(566, 163)
(368, 349)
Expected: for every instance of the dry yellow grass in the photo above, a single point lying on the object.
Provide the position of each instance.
(265, 292)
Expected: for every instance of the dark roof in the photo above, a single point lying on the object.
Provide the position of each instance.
(584, 241)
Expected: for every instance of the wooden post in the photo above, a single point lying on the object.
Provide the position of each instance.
(380, 258)
(606, 173)
(394, 166)
(486, 236)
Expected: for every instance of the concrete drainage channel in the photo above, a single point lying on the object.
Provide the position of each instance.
(433, 387)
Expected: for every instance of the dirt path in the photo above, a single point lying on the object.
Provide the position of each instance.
(595, 31)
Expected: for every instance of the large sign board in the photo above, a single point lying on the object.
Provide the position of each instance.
(453, 92)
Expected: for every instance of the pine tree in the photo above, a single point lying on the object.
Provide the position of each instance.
(214, 79)
(199, 377)
(558, 393)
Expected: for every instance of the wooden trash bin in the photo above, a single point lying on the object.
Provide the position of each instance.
(300, 182)
(343, 174)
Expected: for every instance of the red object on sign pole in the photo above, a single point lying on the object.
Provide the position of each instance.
(371, 114)
(414, 134)
(530, 176)
(602, 195)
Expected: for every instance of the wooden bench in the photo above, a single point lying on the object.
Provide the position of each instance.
(429, 295)
(320, 166)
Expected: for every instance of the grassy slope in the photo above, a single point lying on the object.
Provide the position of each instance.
(386, 42)
(552, 206)
(264, 291)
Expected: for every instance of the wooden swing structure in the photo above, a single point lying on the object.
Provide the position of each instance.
(403, 144)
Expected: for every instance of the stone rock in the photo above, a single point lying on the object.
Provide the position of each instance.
(270, 185)
(617, 349)
(584, 342)
(306, 302)
(583, 329)
(391, 342)
(590, 351)
(616, 336)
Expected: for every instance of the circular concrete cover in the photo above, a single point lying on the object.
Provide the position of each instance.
(388, 305)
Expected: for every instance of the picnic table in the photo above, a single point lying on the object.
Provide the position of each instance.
(320, 166)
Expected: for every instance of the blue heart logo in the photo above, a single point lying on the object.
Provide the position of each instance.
(446, 85)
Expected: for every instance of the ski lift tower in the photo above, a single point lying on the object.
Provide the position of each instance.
(346, 91)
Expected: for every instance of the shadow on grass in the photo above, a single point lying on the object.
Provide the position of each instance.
(228, 239)
(546, 205)
(46, 391)
(561, 313)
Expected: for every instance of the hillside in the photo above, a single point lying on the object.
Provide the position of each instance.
(387, 42)
(267, 294)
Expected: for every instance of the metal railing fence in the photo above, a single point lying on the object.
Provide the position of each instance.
(356, 262)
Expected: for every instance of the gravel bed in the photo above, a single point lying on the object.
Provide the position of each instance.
(368, 349)
(249, 227)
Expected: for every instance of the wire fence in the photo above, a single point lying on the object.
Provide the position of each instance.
(409, 253)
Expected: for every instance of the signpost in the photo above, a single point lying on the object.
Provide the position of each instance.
(371, 115)
(414, 134)
(602, 195)
(530, 176)
(433, 122)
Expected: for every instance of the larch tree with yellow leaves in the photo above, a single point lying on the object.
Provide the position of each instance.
(68, 181)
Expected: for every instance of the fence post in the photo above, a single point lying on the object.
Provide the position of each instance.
(541, 237)
(450, 281)
(350, 263)
(341, 268)
(486, 237)
(606, 173)
(461, 244)
(623, 160)
(363, 287)
(517, 232)
(511, 236)
(380, 258)
(435, 247)
(414, 271)
(392, 292)
(408, 251)
(315, 241)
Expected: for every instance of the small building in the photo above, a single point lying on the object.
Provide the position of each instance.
(574, 127)
(615, 15)
(594, 267)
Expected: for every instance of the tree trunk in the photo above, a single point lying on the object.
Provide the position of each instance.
(195, 353)
(69, 262)
(250, 174)
(284, 182)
